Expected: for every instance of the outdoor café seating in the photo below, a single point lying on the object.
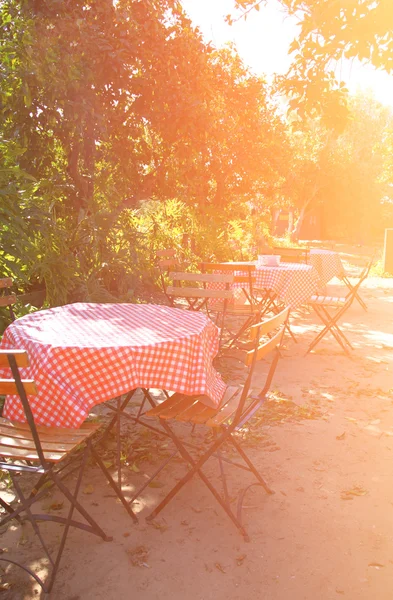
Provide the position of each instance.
(243, 310)
(235, 410)
(45, 456)
(330, 309)
(167, 262)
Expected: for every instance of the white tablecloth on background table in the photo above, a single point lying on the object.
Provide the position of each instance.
(327, 263)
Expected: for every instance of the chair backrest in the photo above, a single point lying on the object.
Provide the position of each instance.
(243, 273)
(166, 259)
(194, 287)
(15, 385)
(7, 297)
(365, 273)
(167, 262)
(272, 330)
(299, 255)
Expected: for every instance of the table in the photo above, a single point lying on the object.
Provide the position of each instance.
(294, 283)
(83, 354)
(327, 263)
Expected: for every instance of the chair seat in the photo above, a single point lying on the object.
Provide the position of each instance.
(191, 410)
(16, 440)
(328, 300)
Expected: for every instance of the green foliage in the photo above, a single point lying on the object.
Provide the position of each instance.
(328, 32)
(377, 270)
(121, 133)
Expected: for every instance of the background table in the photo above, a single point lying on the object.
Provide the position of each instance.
(84, 354)
(294, 283)
(327, 263)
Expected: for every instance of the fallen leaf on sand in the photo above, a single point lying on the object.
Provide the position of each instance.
(54, 505)
(219, 567)
(240, 559)
(340, 437)
(357, 490)
(138, 556)
(160, 526)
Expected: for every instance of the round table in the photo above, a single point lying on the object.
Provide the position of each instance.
(327, 263)
(83, 354)
(293, 283)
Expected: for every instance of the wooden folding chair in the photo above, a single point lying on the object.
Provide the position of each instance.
(167, 262)
(330, 309)
(7, 296)
(246, 309)
(235, 410)
(50, 454)
(196, 297)
(269, 303)
(346, 279)
(196, 293)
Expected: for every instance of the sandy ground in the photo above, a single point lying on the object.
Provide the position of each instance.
(325, 445)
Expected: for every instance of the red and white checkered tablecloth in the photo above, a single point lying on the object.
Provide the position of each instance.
(84, 354)
(327, 263)
(294, 283)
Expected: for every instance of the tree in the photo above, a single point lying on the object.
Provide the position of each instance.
(347, 177)
(331, 30)
(113, 104)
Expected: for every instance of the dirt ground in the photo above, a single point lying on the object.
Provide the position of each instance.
(324, 444)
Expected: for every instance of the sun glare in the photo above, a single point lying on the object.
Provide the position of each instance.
(263, 41)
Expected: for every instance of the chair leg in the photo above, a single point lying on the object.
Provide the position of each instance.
(66, 529)
(153, 476)
(276, 310)
(120, 408)
(33, 520)
(95, 528)
(37, 493)
(196, 468)
(356, 297)
(361, 302)
(112, 483)
(247, 323)
(248, 462)
(222, 472)
(115, 422)
(9, 509)
(118, 442)
(333, 323)
(332, 326)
